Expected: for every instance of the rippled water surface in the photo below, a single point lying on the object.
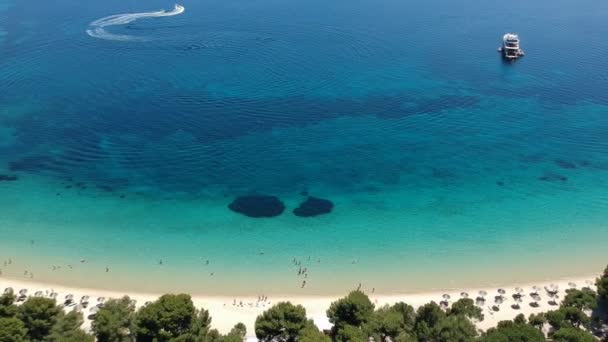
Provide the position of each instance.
(446, 166)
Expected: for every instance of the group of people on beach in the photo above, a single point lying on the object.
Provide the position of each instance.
(262, 301)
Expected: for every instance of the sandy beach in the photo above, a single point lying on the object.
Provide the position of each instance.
(225, 313)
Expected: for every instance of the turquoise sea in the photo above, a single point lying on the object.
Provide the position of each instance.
(124, 139)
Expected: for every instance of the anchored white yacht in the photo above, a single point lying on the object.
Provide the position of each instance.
(510, 46)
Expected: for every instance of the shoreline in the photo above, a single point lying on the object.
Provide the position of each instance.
(225, 315)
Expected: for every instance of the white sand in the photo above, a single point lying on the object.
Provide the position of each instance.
(225, 314)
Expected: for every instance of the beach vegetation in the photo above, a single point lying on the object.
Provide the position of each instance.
(511, 331)
(454, 329)
(355, 310)
(602, 287)
(7, 305)
(467, 308)
(394, 322)
(428, 317)
(584, 299)
(311, 333)
(520, 319)
(537, 320)
(202, 325)
(568, 316)
(12, 329)
(171, 317)
(38, 314)
(236, 334)
(282, 322)
(67, 329)
(114, 322)
(39, 319)
(570, 334)
(349, 333)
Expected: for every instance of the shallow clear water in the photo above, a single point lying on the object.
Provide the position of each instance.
(447, 166)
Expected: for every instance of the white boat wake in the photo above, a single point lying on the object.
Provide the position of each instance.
(97, 28)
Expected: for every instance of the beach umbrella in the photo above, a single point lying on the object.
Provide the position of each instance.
(552, 289)
(501, 291)
(518, 292)
(92, 312)
(8, 290)
(69, 297)
(483, 293)
(535, 300)
(84, 299)
(535, 290)
(101, 299)
(446, 296)
(53, 295)
(464, 295)
(517, 302)
(498, 300)
(38, 293)
(23, 291)
(572, 285)
(553, 300)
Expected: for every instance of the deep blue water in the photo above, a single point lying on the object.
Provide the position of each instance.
(341, 99)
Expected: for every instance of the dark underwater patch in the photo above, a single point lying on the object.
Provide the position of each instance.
(313, 207)
(257, 206)
(584, 163)
(532, 158)
(446, 102)
(552, 177)
(8, 178)
(105, 188)
(34, 164)
(564, 164)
